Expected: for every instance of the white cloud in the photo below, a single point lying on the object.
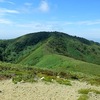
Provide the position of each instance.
(88, 22)
(6, 1)
(5, 21)
(22, 28)
(95, 22)
(44, 6)
(28, 7)
(27, 4)
(49, 25)
(4, 11)
(36, 26)
(41, 26)
(10, 2)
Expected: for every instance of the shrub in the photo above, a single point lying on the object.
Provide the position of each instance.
(63, 81)
(16, 79)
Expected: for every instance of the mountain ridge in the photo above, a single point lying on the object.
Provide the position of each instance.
(59, 43)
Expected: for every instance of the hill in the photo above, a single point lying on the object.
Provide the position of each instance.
(32, 48)
(50, 54)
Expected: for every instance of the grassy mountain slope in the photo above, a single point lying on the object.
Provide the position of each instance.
(50, 54)
(39, 59)
(32, 48)
(64, 64)
(21, 46)
(75, 47)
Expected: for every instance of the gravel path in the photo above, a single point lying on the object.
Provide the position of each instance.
(43, 91)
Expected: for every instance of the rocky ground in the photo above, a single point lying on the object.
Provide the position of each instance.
(44, 91)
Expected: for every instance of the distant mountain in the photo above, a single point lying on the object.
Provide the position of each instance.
(49, 48)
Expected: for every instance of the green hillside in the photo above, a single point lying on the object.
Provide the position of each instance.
(54, 51)
(64, 64)
(41, 58)
(32, 45)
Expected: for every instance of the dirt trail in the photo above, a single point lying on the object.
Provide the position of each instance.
(43, 91)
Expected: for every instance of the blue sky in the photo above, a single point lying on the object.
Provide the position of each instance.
(75, 17)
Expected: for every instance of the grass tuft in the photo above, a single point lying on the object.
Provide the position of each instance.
(83, 97)
(86, 91)
(63, 81)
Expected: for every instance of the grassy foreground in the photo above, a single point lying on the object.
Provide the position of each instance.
(31, 74)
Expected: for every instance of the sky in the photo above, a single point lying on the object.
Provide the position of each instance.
(74, 17)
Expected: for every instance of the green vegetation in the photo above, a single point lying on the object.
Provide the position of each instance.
(50, 54)
(95, 81)
(26, 73)
(63, 81)
(83, 97)
(17, 79)
(32, 47)
(20, 73)
(62, 63)
(85, 92)
(54, 78)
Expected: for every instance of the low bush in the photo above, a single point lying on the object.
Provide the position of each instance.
(63, 81)
(16, 79)
(86, 91)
